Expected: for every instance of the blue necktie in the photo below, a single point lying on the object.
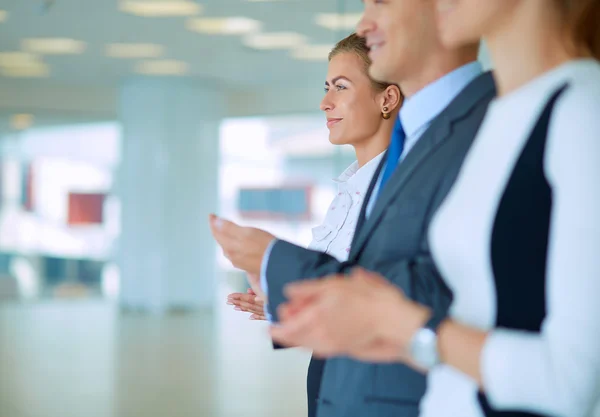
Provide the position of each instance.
(394, 152)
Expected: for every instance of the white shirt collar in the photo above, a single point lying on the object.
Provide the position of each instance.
(420, 109)
(359, 178)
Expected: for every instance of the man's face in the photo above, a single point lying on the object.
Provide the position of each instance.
(401, 34)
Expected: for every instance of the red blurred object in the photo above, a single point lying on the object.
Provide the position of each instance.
(86, 209)
(27, 197)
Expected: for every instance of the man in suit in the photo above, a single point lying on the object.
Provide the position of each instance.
(447, 96)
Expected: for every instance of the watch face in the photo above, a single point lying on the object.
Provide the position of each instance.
(423, 348)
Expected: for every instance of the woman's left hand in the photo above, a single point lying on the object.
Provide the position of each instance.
(250, 303)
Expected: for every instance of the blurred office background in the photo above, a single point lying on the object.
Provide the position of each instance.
(123, 124)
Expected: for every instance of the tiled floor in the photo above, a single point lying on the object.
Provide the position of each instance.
(83, 359)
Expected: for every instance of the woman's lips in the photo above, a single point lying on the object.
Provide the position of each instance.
(331, 122)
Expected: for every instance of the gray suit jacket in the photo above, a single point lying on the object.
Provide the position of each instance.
(393, 242)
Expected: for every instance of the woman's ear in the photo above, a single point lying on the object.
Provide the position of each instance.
(392, 98)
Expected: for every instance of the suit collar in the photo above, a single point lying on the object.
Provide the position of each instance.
(421, 108)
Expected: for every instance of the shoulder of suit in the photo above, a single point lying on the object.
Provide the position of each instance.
(478, 93)
(482, 87)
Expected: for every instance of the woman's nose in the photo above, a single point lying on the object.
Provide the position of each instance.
(326, 103)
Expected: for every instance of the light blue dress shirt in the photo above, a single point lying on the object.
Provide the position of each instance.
(416, 115)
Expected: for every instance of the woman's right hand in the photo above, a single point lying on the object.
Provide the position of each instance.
(249, 302)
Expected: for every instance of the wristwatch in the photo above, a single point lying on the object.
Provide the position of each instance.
(423, 347)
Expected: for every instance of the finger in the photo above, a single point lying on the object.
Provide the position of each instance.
(251, 291)
(258, 317)
(291, 308)
(299, 328)
(362, 275)
(242, 297)
(236, 295)
(233, 299)
(236, 298)
(215, 229)
(282, 336)
(224, 227)
(223, 236)
(246, 301)
(378, 351)
(283, 312)
(251, 308)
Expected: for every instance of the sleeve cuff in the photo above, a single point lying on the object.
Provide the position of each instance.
(263, 277)
(508, 361)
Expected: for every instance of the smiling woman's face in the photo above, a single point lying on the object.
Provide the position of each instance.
(351, 103)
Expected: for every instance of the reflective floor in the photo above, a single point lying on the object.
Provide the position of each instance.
(83, 359)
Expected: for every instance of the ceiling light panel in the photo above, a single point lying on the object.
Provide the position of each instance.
(162, 67)
(134, 50)
(18, 58)
(22, 64)
(53, 46)
(275, 40)
(160, 8)
(21, 121)
(27, 71)
(336, 21)
(224, 26)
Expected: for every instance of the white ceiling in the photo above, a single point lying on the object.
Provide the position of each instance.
(222, 59)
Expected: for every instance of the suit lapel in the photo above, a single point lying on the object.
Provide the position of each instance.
(401, 175)
(363, 210)
(440, 129)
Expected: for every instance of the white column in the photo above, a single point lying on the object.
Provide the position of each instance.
(167, 184)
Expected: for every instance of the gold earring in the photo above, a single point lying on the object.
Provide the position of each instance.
(385, 113)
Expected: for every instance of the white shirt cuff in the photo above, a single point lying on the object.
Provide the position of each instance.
(263, 277)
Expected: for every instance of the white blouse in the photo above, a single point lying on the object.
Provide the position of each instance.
(335, 234)
(553, 371)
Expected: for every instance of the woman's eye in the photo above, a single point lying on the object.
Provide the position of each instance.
(340, 87)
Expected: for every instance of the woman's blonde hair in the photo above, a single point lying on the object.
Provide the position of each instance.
(357, 45)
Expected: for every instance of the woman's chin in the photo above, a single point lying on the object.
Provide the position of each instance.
(335, 140)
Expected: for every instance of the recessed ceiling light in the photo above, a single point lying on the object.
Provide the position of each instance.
(275, 40)
(224, 26)
(160, 8)
(21, 121)
(22, 64)
(53, 46)
(162, 67)
(3, 15)
(18, 58)
(134, 50)
(336, 21)
(312, 52)
(27, 71)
